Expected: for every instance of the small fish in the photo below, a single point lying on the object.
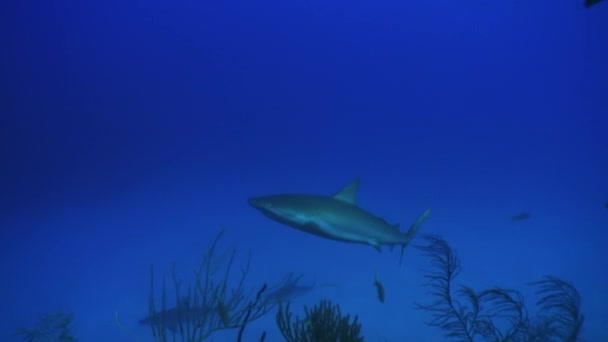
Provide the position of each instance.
(379, 289)
(606, 205)
(589, 3)
(521, 216)
(182, 313)
(290, 289)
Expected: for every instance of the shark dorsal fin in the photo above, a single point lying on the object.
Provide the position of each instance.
(348, 193)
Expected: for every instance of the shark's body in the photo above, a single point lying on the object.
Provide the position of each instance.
(290, 289)
(336, 217)
(174, 317)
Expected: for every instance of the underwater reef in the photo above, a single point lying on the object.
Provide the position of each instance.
(462, 313)
(496, 314)
(217, 299)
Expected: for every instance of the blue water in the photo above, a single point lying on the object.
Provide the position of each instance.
(131, 132)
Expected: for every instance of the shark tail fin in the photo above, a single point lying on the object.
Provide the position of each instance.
(412, 231)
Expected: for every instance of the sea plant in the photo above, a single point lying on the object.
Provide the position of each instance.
(323, 323)
(215, 299)
(496, 314)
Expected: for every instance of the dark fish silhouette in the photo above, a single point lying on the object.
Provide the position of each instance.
(290, 290)
(181, 314)
(589, 3)
(521, 216)
(379, 289)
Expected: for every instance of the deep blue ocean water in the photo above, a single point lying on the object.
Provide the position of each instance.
(132, 131)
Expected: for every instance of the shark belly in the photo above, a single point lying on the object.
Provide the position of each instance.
(358, 227)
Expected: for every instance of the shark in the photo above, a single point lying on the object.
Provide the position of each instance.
(291, 289)
(187, 313)
(172, 318)
(336, 217)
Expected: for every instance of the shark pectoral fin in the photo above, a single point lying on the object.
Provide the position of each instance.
(376, 245)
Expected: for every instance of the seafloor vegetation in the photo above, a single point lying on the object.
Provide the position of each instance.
(324, 322)
(218, 298)
(496, 314)
(55, 327)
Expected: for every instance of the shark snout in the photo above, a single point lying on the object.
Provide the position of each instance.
(257, 202)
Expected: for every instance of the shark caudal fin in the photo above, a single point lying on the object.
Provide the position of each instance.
(413, 229)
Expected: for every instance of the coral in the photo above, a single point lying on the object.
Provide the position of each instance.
(215, 299)
(560, 317)
(323, 323)
(496, 314)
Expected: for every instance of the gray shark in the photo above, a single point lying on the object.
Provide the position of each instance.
(336, 217)
(290, 289)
